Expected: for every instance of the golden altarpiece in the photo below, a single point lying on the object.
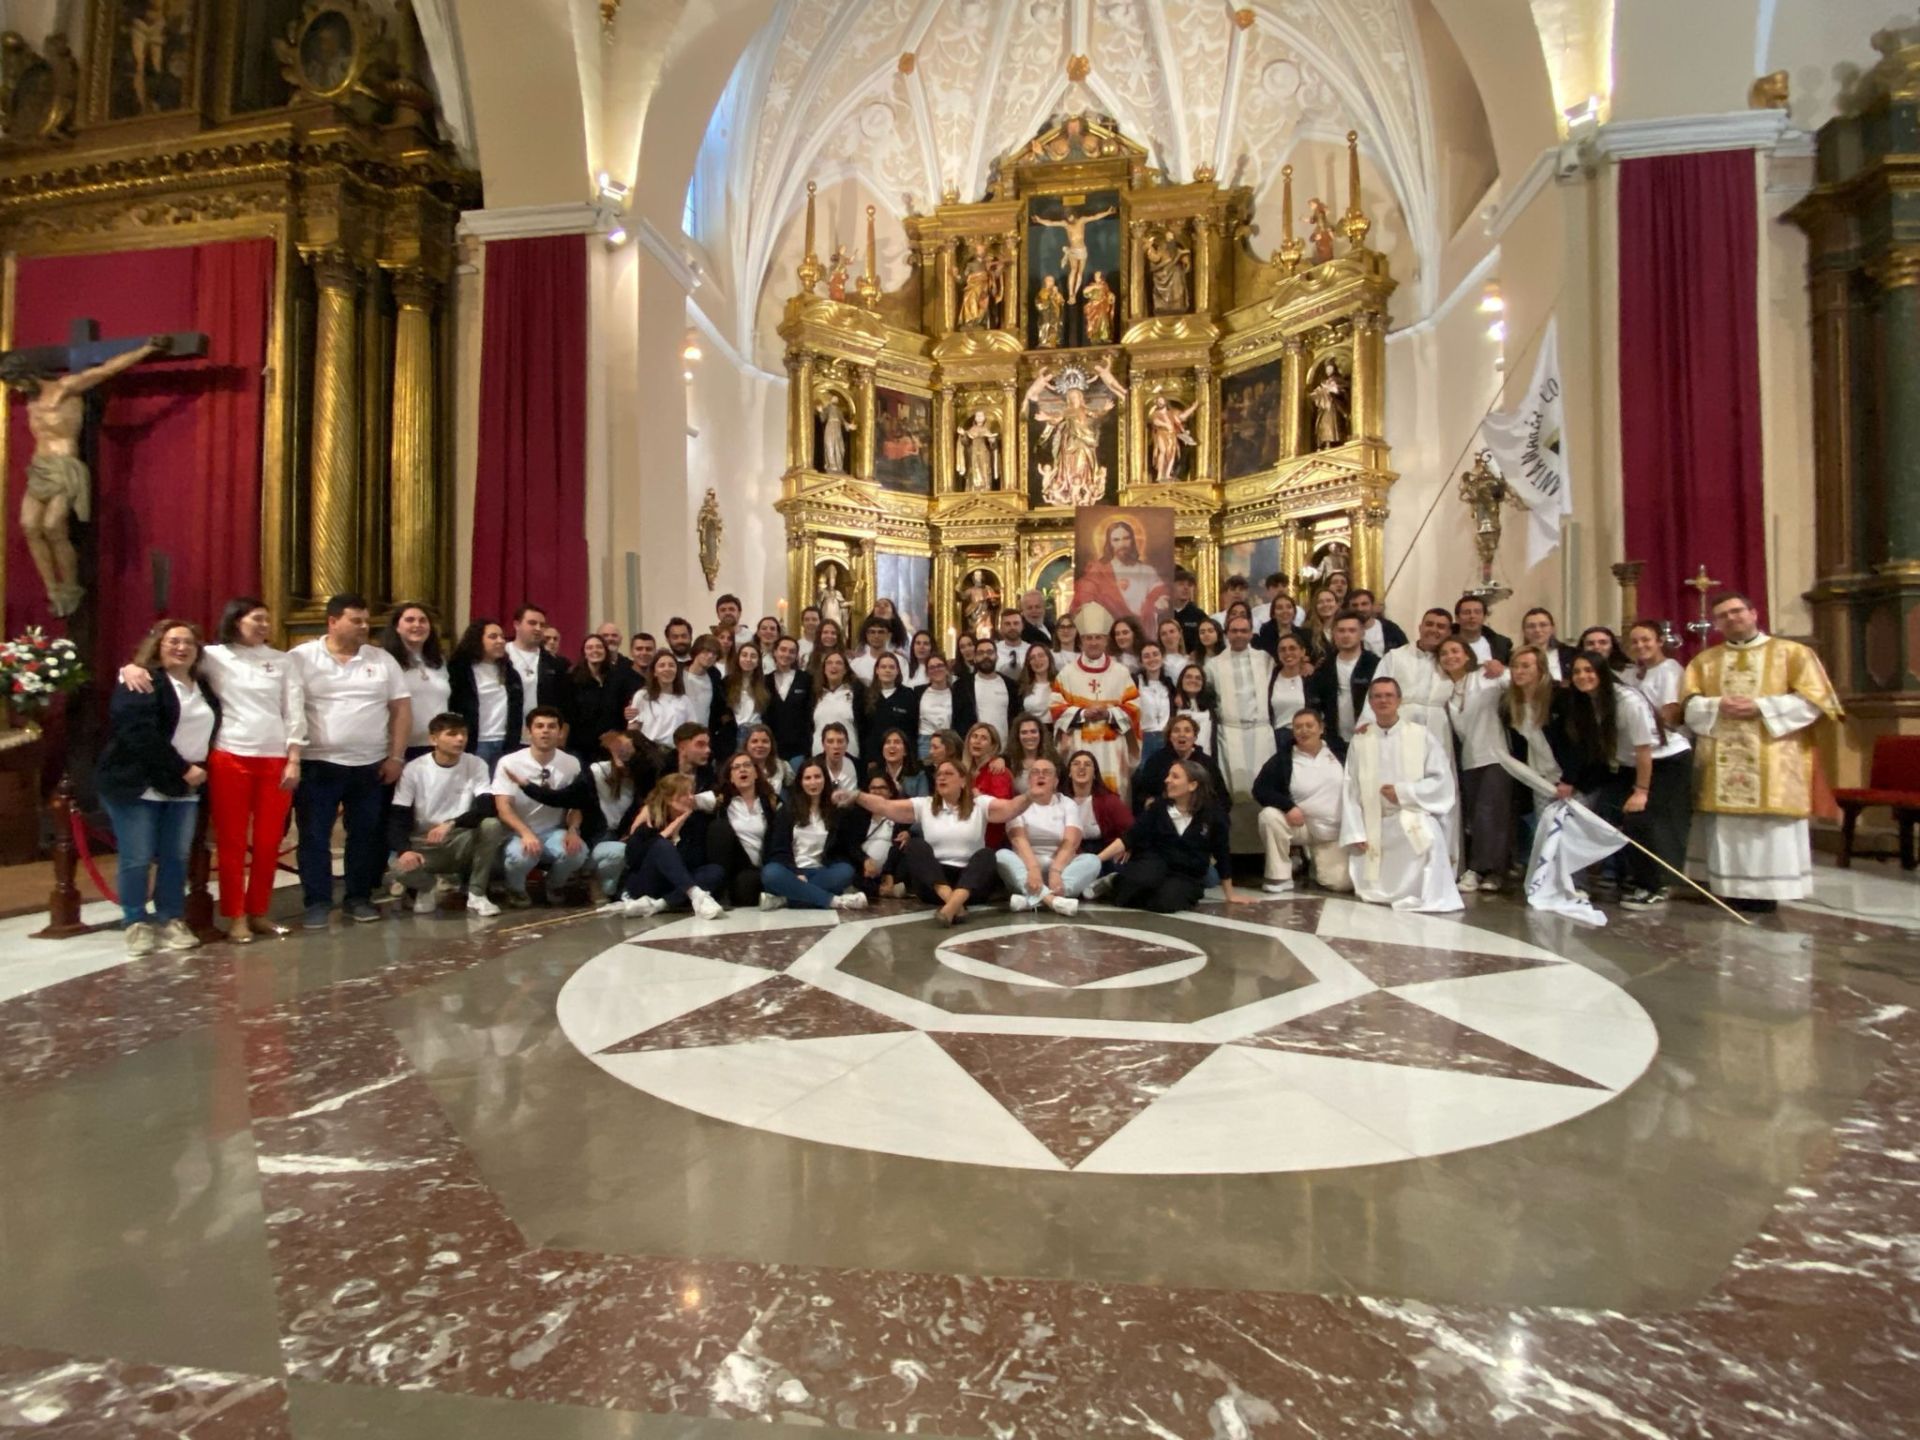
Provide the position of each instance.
(311, 123)
(1087, 333)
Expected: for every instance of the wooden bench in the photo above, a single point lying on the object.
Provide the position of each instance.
(1894, 782)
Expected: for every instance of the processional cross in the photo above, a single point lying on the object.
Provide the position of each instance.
(1702, 627)
(63, 412)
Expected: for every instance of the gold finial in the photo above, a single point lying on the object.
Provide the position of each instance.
(810, 264)
(1291, 249)
(950, 194)
(907, 61)
(1354, 224)
(1078, 68)
(870, 280)
(1243, 19)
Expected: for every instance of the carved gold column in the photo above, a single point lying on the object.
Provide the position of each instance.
(1293, 393)
(1013, 318)
(946, 420)
(1202, 265)
(1369, 372)
(1206, 456)
(800, 410)
(335, 460)
(1369, 545)
(949, 276)
(869, 422)
(416, 489)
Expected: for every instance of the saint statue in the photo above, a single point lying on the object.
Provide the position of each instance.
(1051, 308)
(1073, 407)
(835, 426)
(829, 598)
(1074, 262)
(1097, 306)
(837, 264)
(1167, 425)
(1319, 231)
(980, 603)
(1168, 262)
(1330, 410)
(981, 288)
(980, 452)
(59, 488)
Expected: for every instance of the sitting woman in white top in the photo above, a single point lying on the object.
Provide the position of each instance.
(737, 839)
(804, 865)
(873, 841)
(948, 863)
(1043, 866)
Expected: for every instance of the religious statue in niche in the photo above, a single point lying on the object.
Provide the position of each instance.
(1319, 232)
(1074, 261)
(709, 527)
(982, 287)
(1169, 437)
(980, 602)
(980, 451)
(1168, 264)
(1329, 408)
(1097, 306)
(830, 592)
(837, 265)
(1050, 306)
(836, 427)
(59, 486)
(1072, 408)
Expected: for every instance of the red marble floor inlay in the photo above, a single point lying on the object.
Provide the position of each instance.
(779, 1008)
(1068, 955)
(1072, 1094)
(1390, 1030)
(774, 951)
(60, 1395)
(1388, 964)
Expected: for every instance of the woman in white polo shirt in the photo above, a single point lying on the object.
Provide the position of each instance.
(948, 863)
(1043, 865)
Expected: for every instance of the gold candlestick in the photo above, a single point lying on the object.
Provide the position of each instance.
(810, 265)
(1354, 224)
(870, 280)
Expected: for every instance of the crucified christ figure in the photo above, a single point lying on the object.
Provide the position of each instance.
(1075, 260)
(58, 485)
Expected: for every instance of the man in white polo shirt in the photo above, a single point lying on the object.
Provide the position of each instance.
(359, 716)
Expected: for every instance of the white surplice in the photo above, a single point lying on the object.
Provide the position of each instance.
(1242, 678)
(1406, 863)
(1423, 689)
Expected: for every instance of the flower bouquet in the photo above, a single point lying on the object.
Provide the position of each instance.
(34, 669)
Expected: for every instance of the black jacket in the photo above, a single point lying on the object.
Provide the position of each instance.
(1567, 654)
(1392, 633)
(1273, 786)
(1035, 634)
(1323, 693)
(1583, 771)
(1150, 778)
(556, 681)
(1206, 842)
(140, 756)
(966, 709)
(899, 711)
(1268, 638)
(843, 841)
(1499, 644)
(593, 708)
(1190, 615)
(464, 699)
(791, 719)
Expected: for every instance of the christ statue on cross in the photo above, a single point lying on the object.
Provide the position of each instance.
(59, 488)
(1074, 263)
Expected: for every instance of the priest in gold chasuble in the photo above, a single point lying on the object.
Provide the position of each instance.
(1096, 705)
(1751, 703)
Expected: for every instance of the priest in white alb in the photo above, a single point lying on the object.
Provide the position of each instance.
(1751, 703)
(1096, 706)
(1399, 797)
(1241, 676)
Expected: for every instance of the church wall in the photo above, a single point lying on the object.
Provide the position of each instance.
(739, 412)
(529, 121)
(1689, 59)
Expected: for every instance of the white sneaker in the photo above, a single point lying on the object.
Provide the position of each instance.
(1282, 886)
(1063, 904)
(425, 902)
(771, 901)
(641, 907)
(1469, 881)
(1019, 904)
(1490, 885)
(481, 905)
(175, 935)
(141, 939)
(852, 900)
(704, 905)
(1101, 888)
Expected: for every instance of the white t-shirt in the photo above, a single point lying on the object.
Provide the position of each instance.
(1343, 693)
(879, 841)
(1482, 648)
(846, 779)
(864, 662)
(1046, 826)
(699, 690)
(1037, 700)
(1373, 636)
(1660, 685)
(491, 692)
(263, 707)
(527, 662)
(1286, 697)
(614, 801)
(658, 719)
(809, 844)
(1010, 657)
(559, 772)
(1175, 663)
(347, 702)
(441, 792)
(836, 704)
(431, 692)
(192, 736)
(1634, 724)
(1156, 707)
(954, 840)
(936, 710)
(749, 824)
(990, 704)
(1318, 788)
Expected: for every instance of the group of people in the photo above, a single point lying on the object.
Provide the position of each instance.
(1057, 759)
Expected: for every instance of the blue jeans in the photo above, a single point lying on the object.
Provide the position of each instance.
(663, 875)
(1150, 744)
(327, 789)
(1081, 871)
(608, 859)
(157, 835)
(561, 866)
(807, 889)
(489, 751)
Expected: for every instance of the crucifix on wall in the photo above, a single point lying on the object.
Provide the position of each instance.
(59, 383)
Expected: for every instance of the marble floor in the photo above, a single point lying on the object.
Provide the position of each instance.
(1299, 1169)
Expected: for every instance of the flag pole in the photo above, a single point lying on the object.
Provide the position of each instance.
(1682, 876)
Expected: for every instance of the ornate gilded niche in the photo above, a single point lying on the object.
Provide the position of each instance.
(311, 123)
(1085, 333)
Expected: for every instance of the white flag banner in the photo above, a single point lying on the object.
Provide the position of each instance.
(1529, 451)
(1567, 840)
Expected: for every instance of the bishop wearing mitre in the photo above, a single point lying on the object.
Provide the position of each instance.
(1751, 703)
(1399, 799)
(1096, 705)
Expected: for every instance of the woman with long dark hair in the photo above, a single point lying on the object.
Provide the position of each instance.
(1031, 740)
(837, 696)
(1193, 696)
(738, 838)
(1166, 856)
(485, 690)
(759, 742)
(920, 650)
(595, 703)
(890, 704)
(413, 640)
(893, 757)
(1155, 698)
(874, 842)
(661, 706)
(1600, 640)
(1035, 682)
(741, 699)
(805, 866)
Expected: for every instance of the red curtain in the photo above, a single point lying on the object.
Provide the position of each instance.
(179, 464)
(530, 491)
(1690, 377)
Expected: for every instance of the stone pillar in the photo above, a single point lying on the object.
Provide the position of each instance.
(335, 457)
(1369, 376)
(416, 507)
(1897, 273)
(1293, 392)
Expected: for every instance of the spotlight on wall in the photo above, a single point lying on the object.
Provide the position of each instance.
(612, 191)
(1583, 119)
(616, 237)
(691, 350)
(1497, 331)
(1492, 302)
